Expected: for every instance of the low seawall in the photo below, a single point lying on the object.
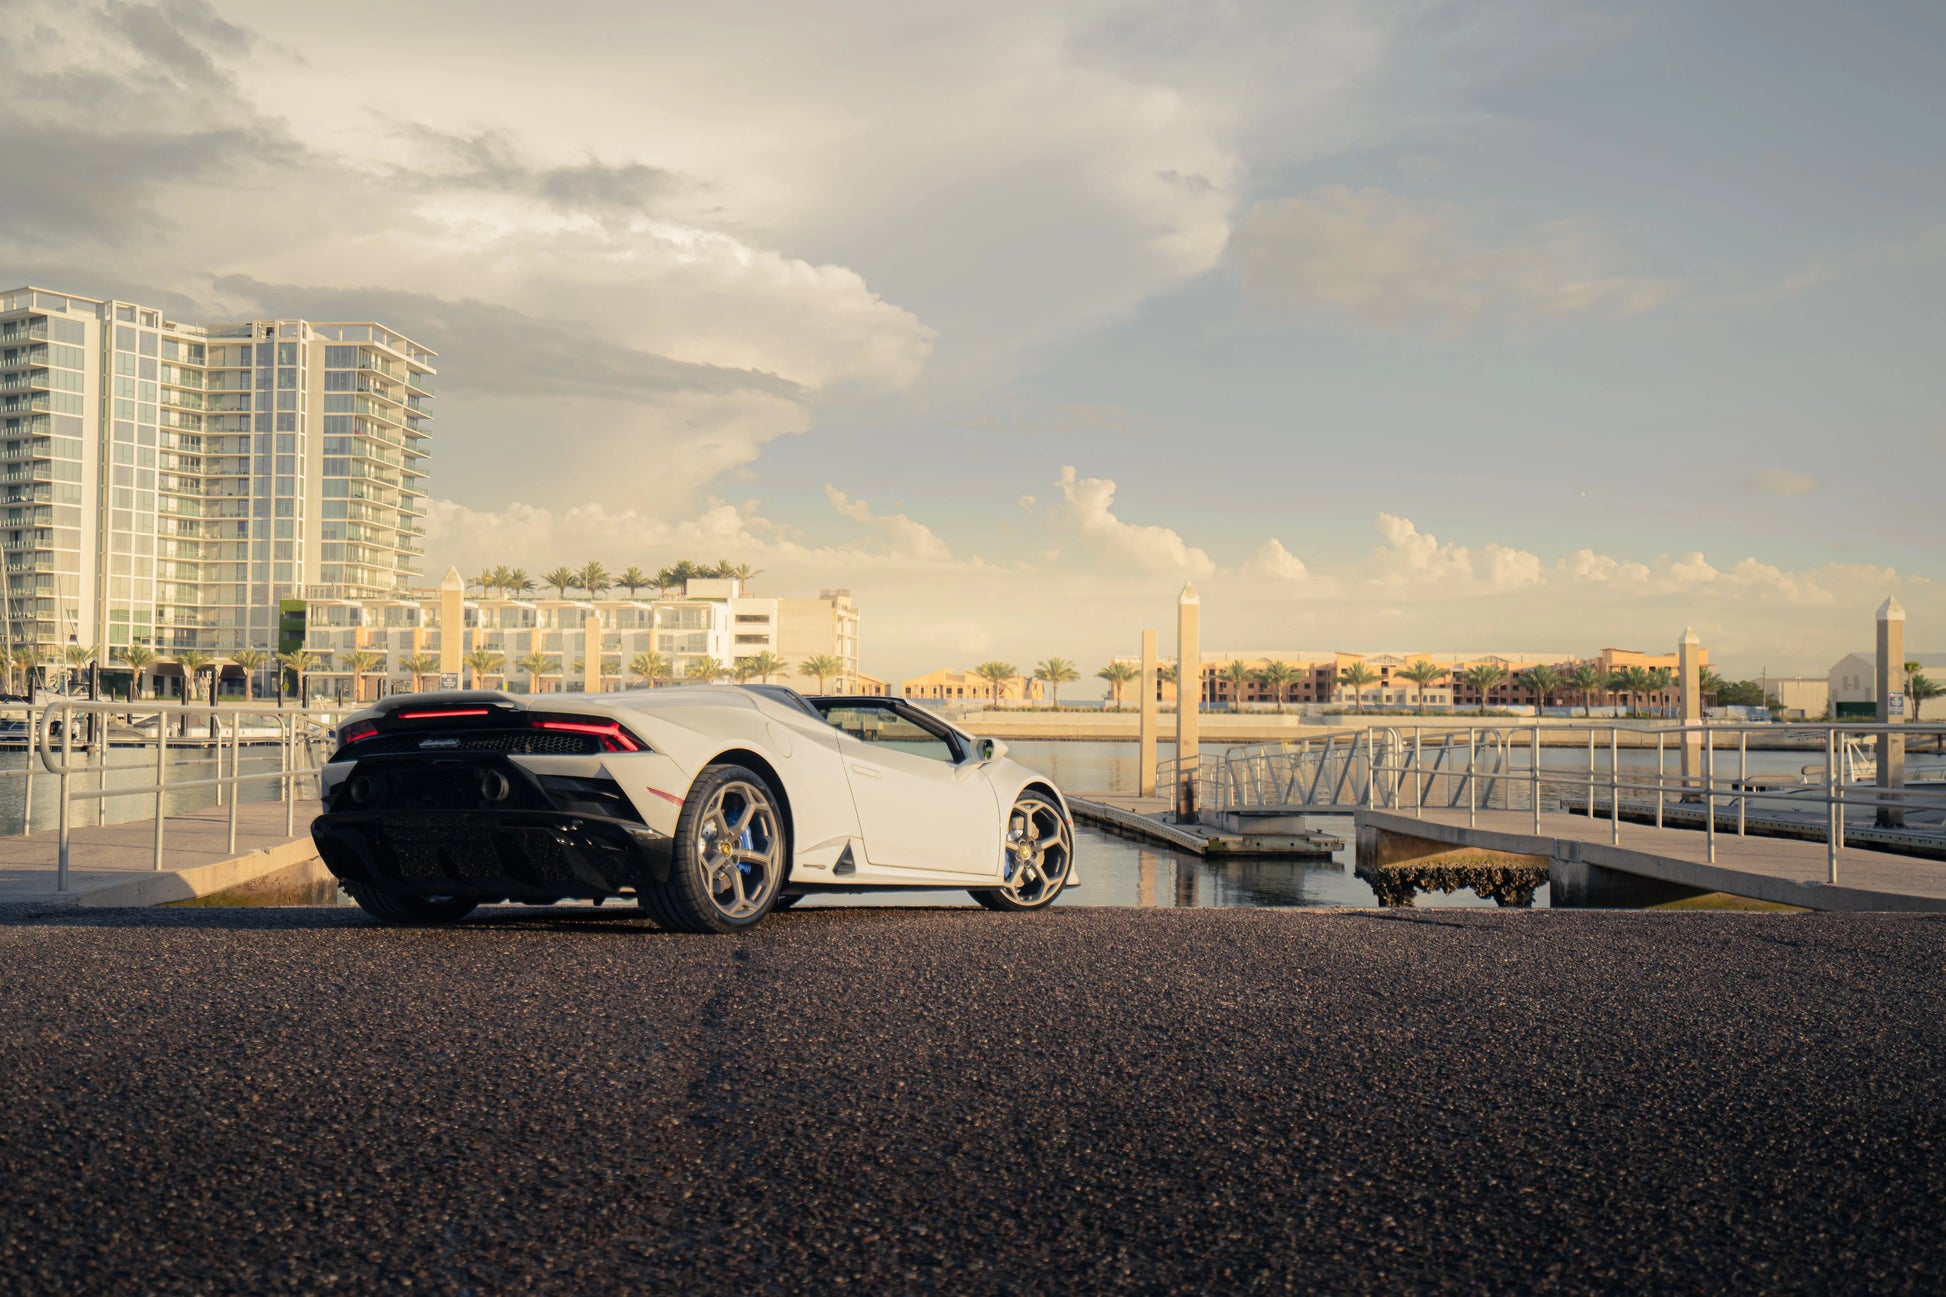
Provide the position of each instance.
(1223, 729)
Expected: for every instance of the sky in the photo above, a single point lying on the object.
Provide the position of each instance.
(1391, 326)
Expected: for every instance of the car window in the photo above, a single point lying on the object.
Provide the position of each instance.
(888, 729)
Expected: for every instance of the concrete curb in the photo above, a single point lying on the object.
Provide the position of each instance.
(201, 880)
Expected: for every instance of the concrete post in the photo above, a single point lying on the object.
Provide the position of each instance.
(1145, 749)
(452, 623)
(591, 653)
(1892, 707)
(1189, 695)
(1689, 694)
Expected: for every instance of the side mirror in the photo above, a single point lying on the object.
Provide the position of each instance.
(991, 750)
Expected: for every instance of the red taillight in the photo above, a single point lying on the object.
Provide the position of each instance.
(443, 713)
(613, 737)
(357, 730)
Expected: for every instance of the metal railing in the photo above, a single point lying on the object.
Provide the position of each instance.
(1581, 769)
(78, 742)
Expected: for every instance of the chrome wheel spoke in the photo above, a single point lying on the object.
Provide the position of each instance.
(1038, 850)
(738, 847)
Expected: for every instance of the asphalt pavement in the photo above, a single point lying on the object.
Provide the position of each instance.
(953, 1101)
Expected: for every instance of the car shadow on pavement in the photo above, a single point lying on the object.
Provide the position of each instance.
(624, 920)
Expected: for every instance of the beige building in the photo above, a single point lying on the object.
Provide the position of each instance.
(954, 686)
(713, 621)
(1801, 698)
(166, 483)
(826, 625)
(1852, 682)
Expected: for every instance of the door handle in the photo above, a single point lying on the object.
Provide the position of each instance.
(866, 771)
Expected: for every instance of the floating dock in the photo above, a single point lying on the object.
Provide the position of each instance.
(1148, 819)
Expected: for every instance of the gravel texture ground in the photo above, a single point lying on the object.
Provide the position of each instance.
(955, 1101)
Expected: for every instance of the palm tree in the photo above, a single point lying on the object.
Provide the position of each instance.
(996, 674)
(703, 670)
(1422, 673)
(483, 662)
(594, 578)
(1584, 680)
(767, 664)
(1540, 681)
(1056, 672)
(420, 665)
(561, 578)
(78, 656)
(19, 660)
(252, 660)
(741, 571)
(743, 669)
(536, 665)
(484, 579)
(633, 578)
(1277, 677)
(1660, 679)
(1642, 682)
(1236, 675)
(1708, 683)
(497, 578)
(1919, 688)
(652, 667)
(140, 658)
(300, 663)
(1484, 677)
(1618, 683)
(192, 664)
(822, 666)
(1118, 674)
(678, 575)
(1360, 677)
(361, 664)
(519, 583)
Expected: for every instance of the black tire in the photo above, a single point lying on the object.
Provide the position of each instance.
(408, 911)
(717, 884)
(1038, 852)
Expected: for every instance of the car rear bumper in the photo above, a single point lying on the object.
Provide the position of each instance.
(511, 855)
(478, 825)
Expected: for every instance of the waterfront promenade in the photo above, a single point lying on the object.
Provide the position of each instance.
(120, 858)
(956, 1101)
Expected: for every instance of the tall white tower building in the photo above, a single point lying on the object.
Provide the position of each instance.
(167, 484)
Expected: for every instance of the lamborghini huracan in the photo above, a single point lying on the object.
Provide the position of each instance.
(710, 805)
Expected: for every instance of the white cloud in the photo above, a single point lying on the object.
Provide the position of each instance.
(1375, 256)
(1409, 555)
(1086, 511)
(906, 538)
(1276, 563)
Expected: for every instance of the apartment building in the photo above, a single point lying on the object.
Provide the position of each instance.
(711, 621)
(166, 484)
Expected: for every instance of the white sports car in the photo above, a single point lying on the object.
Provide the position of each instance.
(711, 805)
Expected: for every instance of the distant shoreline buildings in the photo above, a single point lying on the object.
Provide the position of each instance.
(1315, 679)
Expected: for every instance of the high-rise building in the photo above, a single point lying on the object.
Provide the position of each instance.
(166, 484)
